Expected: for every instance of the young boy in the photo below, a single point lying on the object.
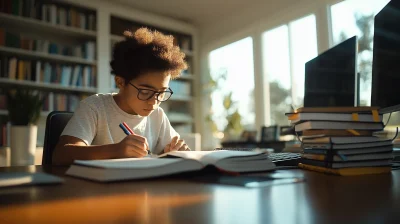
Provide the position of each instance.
(143, 65)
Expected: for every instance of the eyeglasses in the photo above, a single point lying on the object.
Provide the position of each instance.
(146, 94)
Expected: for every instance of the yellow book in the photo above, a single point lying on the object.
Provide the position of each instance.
(331, 132)
(21, 70)
(336, 109)
(347, 171)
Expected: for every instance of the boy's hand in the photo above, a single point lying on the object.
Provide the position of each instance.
(176, 145)
(133, 146)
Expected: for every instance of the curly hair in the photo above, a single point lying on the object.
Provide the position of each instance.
(145, 51)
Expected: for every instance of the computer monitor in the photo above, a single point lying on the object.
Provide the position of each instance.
(386, 59)
(331, 78)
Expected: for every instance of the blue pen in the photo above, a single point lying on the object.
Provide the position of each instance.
(124, 129)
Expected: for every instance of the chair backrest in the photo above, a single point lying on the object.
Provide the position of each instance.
(55, 124)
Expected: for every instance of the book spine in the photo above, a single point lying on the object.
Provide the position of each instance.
(319, 169)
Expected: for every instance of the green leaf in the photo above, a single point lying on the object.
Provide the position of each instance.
(24, 106)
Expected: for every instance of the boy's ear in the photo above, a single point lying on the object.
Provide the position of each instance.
(119, 81)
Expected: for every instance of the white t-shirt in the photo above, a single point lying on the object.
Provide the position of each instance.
(97, 118)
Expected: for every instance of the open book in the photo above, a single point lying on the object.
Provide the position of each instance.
(170, 163)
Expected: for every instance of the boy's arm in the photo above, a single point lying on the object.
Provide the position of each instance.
(70, 148)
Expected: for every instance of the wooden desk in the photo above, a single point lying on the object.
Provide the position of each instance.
(321, 199)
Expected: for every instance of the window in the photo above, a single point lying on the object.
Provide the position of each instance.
(303, 36)
(277, 72)
(285, 51)
(356, 17)
(231, 69)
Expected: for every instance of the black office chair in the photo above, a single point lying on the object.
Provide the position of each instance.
(55, 124)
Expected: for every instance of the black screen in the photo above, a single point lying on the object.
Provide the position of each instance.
(330, 78)
(386, 60)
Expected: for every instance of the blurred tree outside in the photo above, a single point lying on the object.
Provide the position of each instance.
(230, 121)
(279, 103)
(365, 56)
(365, 50)
(234, 127)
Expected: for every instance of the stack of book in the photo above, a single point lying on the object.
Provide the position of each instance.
(341, 140)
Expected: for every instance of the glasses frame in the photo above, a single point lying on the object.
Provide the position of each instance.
(154, 92)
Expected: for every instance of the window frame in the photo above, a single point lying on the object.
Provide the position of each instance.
(321, 10)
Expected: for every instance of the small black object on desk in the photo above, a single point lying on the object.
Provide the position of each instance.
(278, 146)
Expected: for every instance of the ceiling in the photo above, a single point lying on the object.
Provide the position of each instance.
(198, 12)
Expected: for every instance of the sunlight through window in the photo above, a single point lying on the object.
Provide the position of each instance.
(231, 67)
(356, 17)
(285, 51)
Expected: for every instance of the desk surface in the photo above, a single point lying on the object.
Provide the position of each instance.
(320, 199)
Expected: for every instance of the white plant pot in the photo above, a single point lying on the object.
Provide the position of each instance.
(23, 145)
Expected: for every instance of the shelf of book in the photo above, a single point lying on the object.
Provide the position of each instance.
(35, 25)
(53, 87)
(26, 54)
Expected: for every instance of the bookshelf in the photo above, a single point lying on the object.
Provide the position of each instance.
(48, 87)
(25, 54)
(10, 21)
(48, 46)
(180, 107)
(31, 25)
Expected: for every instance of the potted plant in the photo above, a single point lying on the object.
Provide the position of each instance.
(24, 108)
